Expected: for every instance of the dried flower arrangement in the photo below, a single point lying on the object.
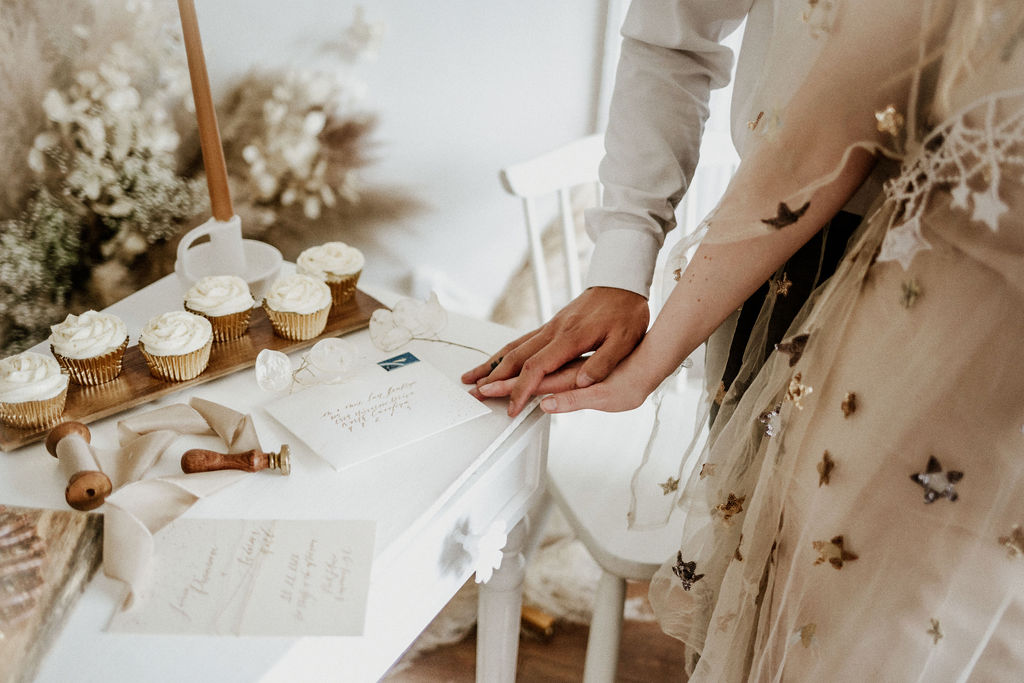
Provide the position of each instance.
(297, 137)
(104, 167)
(90, 144)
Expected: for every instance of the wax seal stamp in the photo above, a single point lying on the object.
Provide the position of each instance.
(202, 460)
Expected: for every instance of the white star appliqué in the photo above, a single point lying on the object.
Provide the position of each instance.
(960, 194)
(903, 242)
(988, 207)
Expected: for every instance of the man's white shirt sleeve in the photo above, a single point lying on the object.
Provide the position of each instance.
(671, 59)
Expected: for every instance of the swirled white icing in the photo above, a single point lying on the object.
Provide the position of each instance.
(88, 335)
(175, 333)
(219, 295)
(299, 293)
(330, 258)
(30, 376)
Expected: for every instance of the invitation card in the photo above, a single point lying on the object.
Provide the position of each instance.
(255, 577)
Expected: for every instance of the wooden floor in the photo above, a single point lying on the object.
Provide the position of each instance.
(646, 655)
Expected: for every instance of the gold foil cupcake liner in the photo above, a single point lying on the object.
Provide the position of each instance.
(343, 288)
(227, 327)
(96, 370)
(297, 326)
(178, 368)
(34, 414)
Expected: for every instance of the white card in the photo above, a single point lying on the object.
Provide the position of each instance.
(255, 577)
(385, 406)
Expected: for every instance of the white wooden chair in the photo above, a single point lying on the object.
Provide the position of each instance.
(592, 455)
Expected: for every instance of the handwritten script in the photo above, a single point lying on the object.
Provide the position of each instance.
(267, 577)
(378, 407)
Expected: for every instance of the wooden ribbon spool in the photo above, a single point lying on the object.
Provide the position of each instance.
(87, 487)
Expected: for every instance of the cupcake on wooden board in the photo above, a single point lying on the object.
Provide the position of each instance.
(176, 345)
(224, 300)
(337, 264)
(32, 390)
(297, 306)
(90, 346)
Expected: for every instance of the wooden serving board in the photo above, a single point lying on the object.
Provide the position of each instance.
(135, 385)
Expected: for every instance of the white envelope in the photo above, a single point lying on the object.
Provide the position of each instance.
(382, 407)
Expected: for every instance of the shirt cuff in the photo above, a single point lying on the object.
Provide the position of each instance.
(624, 259)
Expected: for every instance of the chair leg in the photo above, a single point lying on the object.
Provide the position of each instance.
(605, 630)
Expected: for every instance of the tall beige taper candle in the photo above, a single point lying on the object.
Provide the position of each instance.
(209, 133)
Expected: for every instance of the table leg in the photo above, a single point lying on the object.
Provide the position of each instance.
(498, 613)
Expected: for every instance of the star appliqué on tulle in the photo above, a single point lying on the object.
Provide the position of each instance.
(686, 571)
(936, 482)
(833, 552)
(786, 216)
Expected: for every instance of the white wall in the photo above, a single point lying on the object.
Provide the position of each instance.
(461, 88)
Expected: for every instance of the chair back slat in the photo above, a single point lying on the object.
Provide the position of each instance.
(537, 261)
(554, 175)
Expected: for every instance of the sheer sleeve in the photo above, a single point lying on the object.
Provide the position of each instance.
(859, 98)
(807, 545)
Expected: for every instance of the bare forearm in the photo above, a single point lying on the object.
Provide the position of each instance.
(722, 275)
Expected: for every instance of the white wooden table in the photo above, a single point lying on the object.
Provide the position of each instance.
(422, 496)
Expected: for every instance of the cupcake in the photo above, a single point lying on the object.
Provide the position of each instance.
(297, 306)
(90, 346)
(337, 264)
(225, 301)
(176, 345)
(32, 391)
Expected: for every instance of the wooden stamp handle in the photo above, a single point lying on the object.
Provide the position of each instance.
(202, 460)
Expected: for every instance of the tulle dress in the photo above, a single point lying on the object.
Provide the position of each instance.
(857, 511)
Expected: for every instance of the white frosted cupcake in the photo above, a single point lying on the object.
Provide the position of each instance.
(32, 390)
(297, 306)
(337, 264)
(90, 346)
(176, 345)
(224, 300)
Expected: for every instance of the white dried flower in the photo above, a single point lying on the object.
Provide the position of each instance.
(409, 319)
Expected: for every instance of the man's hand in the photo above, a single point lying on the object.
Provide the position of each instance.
(606, 320)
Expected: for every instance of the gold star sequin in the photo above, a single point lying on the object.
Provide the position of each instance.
(771, 421)
(807, 634)
(889, 121)
(686, 571)
(1014, 542)
(798, 391)
(935, 631)
(732, 506)
(794, 346)
(910, 293)
(782, 285)
(707, 470)
(849, 404)
(669, 486)
(720, 394)
(825, 468)
(786, 216)
(833, 552)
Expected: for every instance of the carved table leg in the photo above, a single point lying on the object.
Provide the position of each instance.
(498, 613)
